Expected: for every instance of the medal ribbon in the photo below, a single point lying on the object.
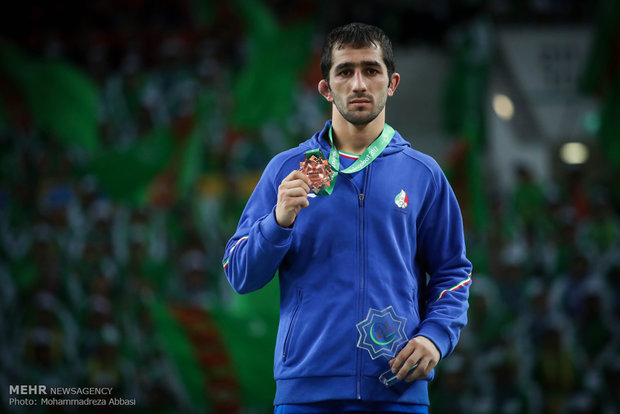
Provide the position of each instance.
(369, 155)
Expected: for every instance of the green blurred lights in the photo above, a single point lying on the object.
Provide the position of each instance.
(591, 121)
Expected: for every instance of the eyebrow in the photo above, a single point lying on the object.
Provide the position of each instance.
(364, 63)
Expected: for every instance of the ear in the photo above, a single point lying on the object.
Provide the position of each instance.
(325, 91)
(394, 81)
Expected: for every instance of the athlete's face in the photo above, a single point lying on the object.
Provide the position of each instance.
(358, 84)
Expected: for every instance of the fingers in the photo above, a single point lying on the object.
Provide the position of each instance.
(416, 360)
(295, 177)
(284, 187)
(292, 197)
(409, 369)
(422, 370)
(401, 358)
(296, 184)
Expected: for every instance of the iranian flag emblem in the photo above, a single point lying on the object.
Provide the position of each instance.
(401, 199)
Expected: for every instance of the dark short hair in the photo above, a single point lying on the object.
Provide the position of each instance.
(357, 36)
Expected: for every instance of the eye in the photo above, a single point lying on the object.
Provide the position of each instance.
(344, 72)
(372, 71)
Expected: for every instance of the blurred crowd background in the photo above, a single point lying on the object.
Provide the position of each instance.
(133, 132)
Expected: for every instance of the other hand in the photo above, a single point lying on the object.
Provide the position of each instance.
(420, 350)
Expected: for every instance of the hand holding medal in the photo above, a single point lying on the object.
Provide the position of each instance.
(314, 174)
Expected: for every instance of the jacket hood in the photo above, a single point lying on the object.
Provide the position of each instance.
(321, 139)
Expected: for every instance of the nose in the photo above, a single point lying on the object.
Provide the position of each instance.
(359, 83)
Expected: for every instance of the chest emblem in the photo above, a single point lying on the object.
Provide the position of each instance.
(401, 199)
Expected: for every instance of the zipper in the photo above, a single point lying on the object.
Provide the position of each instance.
(361, 198)
(287, 338)
(362, 292)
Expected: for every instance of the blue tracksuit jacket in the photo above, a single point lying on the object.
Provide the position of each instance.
(346, 253)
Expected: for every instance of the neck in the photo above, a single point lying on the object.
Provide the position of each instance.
(355, 139)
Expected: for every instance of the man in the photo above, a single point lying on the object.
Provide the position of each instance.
(353, 260)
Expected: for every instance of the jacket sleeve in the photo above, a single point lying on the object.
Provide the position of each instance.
(255, 251)
(441, 251)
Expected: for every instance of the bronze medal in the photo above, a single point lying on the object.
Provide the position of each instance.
(318, 171)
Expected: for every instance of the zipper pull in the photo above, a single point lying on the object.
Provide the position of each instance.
(361, 199)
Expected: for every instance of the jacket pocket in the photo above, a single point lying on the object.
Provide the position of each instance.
(291, 326)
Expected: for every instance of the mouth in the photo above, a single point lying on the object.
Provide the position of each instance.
(359, 102)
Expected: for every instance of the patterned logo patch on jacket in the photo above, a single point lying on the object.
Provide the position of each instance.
(381, 332)
(401, 199)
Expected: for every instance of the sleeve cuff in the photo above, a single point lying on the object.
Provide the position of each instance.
(437, 335)
(272, 231)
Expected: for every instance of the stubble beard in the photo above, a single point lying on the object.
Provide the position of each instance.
(358, 117)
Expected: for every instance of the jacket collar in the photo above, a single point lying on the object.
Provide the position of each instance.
(321, 140)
